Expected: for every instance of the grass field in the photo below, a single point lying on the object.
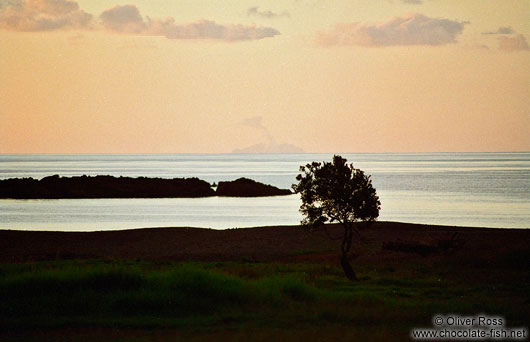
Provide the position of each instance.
(146, 300)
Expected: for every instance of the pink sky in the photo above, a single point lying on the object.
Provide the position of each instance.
(213, 77)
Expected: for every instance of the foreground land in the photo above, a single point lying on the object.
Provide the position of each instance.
(256, 283)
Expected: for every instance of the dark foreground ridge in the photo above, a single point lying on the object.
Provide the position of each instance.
(508, 248)
(54, 187)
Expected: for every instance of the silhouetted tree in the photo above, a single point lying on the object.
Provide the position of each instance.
(337, 192)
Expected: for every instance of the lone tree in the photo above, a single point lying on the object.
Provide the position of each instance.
(337, 192)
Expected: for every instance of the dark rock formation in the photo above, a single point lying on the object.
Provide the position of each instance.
(244, 187)
(103, 187)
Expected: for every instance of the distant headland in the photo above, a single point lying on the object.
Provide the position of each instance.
(55, 187)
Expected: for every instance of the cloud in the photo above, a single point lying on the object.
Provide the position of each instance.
(255, 122)
(127, 19)
(509, 40)
(411, 29)
(206, 29)
(501, 30)
(254, 11)
(43, 15)
(270, 146)
(48, 15)
(516, 43)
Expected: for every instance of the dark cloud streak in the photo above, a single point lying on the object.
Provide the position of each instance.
(255, 11)
(501, 30)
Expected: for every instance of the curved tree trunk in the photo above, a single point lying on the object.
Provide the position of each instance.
(346, 244)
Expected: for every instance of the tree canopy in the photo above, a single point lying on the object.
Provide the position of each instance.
(337, 192)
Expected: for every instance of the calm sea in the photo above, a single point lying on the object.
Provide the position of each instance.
(464, 189)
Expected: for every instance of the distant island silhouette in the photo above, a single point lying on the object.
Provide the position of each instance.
(55, 187)
(244, 187)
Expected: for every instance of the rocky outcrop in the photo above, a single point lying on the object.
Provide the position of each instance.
(103, 187)
(244, 187)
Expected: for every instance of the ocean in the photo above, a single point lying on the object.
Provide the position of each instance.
(462, 189)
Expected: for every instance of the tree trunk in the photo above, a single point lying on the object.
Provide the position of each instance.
(346, 244)
(346, 267)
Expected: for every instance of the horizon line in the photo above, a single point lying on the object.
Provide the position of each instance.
(249, 153)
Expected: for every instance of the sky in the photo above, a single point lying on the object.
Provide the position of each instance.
(221, 76)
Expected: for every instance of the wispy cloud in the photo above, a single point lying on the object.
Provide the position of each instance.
(270, 146)
(508, 39)
(515, 43)
(256, 12)
(257, 123)
(411, 29)
(43, 15)
(501, 30)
